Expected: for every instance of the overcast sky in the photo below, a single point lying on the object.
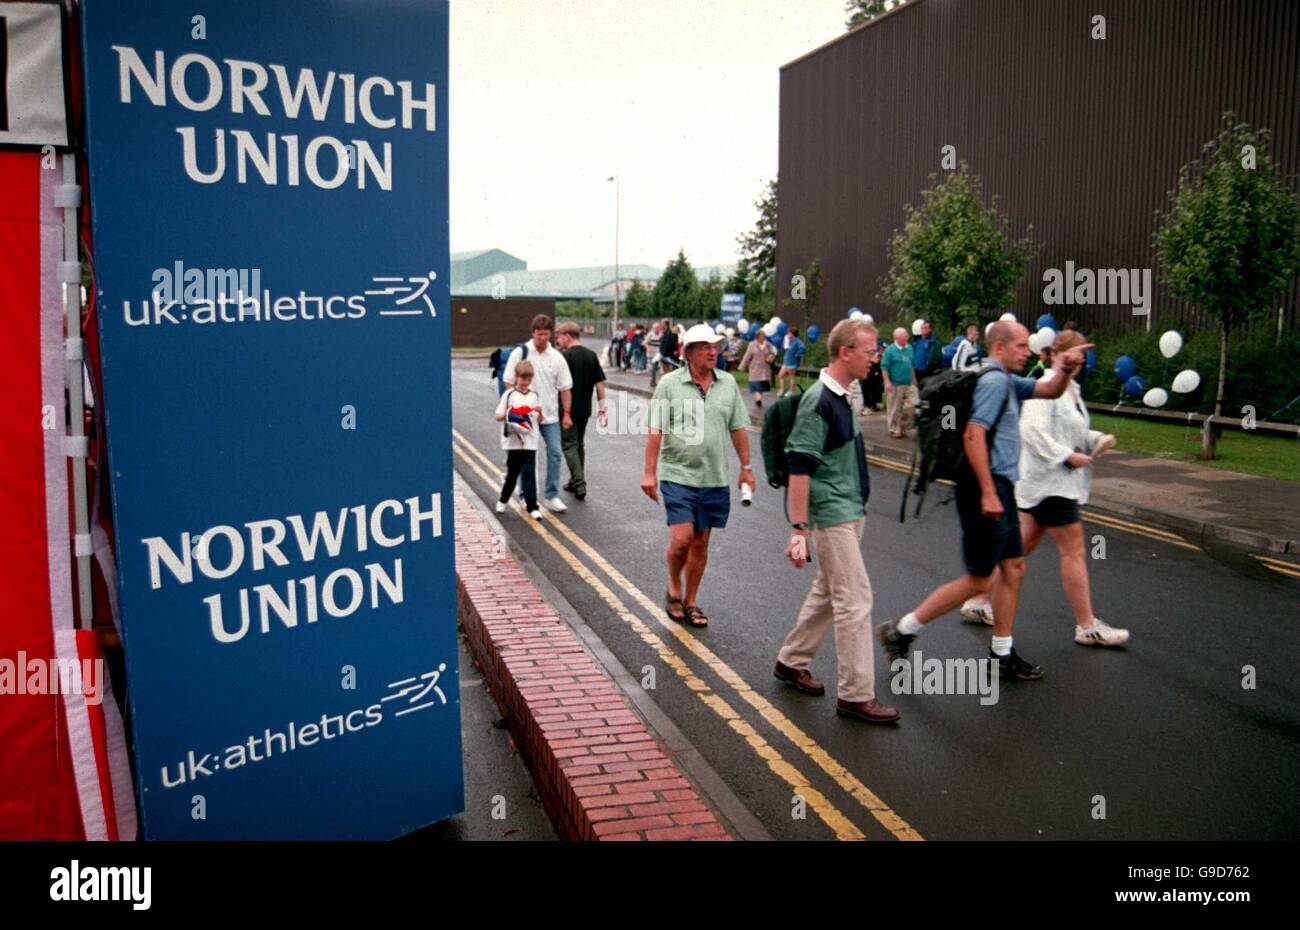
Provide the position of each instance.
(678, 97)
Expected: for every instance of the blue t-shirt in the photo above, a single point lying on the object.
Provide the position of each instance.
(999, 394)
(794, 353)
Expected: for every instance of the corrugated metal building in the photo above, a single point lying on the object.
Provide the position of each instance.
(1080, 137)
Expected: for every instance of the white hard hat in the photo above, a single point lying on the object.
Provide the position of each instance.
(700, 332)
(916, 327)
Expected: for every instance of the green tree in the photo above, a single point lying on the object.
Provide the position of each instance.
(864, 11)
(758, 246)
(677, 293)
(709, 302)
(638, 302)
(954, 255)
(811, 283)
(738, 283)
(1229, 241)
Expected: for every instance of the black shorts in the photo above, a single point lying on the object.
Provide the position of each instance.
(1054, 511)
(985, 542)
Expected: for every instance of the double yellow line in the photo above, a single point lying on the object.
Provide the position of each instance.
(842, 826)
(1280, 566)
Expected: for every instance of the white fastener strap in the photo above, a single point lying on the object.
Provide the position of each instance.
(70, 272)
(74, 349)
(77, 447)
(83, 545)
(67, 195)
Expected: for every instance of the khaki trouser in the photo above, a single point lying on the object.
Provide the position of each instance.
(840, 595)
(900, 403)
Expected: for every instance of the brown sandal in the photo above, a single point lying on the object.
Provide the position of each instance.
(670, 603)
(695, 617)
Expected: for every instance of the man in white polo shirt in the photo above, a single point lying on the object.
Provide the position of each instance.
(554, 385)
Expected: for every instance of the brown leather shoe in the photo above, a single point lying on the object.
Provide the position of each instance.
(799, 679)
(871, 711)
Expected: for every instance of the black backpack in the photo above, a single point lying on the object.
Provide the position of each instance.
(778, 423)
(942, 410)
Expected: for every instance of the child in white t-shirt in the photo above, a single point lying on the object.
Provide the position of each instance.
(519, 411)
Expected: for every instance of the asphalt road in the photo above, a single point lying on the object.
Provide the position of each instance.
(1161, 738)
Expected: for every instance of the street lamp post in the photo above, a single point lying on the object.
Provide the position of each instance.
(614, 324)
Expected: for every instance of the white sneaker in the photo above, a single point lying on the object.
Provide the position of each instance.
(554, 503)
(500, 508)
(979, 609)
(1100, 634)
(536, 514)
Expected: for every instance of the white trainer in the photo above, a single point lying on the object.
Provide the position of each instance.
(554, 503)
(1100, 634)
(978, 609)
(500, 508)
(536, 514)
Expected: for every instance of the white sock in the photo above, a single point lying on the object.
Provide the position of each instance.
(1002, 645)
(909, 625)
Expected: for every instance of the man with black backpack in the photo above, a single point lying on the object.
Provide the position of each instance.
(827, 505)
(986, 501)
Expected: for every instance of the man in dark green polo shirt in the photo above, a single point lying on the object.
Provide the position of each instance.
(693, 411)
(827, 503)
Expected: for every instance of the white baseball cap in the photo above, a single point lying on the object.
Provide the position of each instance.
(700, 332)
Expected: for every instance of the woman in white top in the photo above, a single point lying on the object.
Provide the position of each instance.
(1057, 446)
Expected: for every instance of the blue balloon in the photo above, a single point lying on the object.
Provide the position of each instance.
(853, 310)
(813, 333)
(782, 330)
(1125, 368)
(748, 335)
(1091, 362)
(1135, 386)
(1047, 320)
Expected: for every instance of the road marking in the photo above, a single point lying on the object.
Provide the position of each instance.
(840, 825)
(1280, 566)
(806, 744)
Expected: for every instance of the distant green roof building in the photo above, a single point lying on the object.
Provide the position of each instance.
(595, 283)
(471, 266)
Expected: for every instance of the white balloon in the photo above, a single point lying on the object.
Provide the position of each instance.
(1187, 381)
(770, 328)
(1046, 336)
(1170, 344)
(719, 329)
(1156, 397)
(987, 328)
(742, 326)
(916, 327)
(1036, 343)
(1007, 317)
(776, 321)
(868, 318)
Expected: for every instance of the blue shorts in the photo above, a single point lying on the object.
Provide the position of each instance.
(703, 508)
(759, 387)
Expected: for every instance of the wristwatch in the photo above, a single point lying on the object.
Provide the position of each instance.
(799, 526)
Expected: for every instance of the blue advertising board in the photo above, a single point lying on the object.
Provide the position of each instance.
(733, 307)
(269, 195)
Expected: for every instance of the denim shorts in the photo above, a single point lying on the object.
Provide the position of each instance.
(703, 508)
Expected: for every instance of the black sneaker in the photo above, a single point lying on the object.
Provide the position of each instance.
(896, 644)
(1012, 666)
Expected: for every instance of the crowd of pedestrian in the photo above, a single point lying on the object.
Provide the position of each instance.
(1027, 444)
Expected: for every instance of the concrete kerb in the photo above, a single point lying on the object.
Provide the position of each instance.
(740, 822)
(1214, 534)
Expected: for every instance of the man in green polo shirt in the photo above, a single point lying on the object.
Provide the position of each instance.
(827, 503)
(693, 411)
(900, 383)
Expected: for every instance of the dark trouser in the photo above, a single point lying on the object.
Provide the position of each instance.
(521, 466)
(575, 454)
